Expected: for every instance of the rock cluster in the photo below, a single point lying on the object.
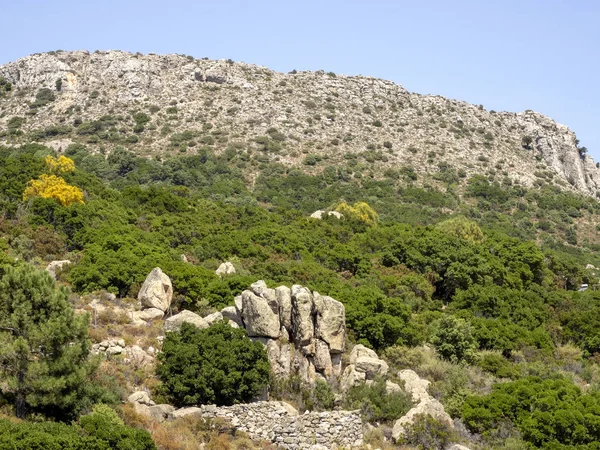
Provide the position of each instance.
(134, 354)
(275, 422)
(364, 366)
(303, 331)
(425, 404)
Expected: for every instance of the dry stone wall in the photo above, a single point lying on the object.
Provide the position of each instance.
(278, 423)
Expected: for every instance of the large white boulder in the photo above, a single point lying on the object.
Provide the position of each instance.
(174, 323)
(331, 322)
(157, 291)
(225, 268)
(258, 316)
(302, 316)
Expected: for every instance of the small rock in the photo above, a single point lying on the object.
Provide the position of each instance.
(225, 268)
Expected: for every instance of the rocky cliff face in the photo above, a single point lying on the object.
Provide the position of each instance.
(194, 102)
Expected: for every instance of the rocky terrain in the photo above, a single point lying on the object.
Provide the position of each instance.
(160, 104)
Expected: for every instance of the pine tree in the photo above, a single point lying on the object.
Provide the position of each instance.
(44, 347)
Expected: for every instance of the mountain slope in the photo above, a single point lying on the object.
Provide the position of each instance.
(314, 118)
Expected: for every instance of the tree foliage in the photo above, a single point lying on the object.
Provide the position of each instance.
(217, 365)
(44, 346)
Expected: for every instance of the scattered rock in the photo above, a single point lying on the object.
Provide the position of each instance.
(54, 266)
(157, 291)
(225, 268)
(320, 213)
(174, 323)
(140, 397)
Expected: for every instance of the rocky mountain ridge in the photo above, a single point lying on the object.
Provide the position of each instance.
(160, 104)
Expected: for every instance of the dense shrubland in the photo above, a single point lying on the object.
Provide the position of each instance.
(489, 278)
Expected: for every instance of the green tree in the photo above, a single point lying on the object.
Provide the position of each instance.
(219, 364)
(44, 347)
(453, 339)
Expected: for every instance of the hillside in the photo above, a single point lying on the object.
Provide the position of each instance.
(164, 104)
(181, 237)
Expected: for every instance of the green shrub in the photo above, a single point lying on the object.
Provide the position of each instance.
(376, 404)
(453, 339)
(217, 365)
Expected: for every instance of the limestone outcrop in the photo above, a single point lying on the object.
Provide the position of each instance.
(157, 291)
(364, 365)
(304, 332)
(425, 404)
(102, 82)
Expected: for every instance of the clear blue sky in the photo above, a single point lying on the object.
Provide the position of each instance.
(508, 55)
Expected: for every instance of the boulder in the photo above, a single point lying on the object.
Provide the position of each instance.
(322, 358)
(137, 357)
(230, 313)
(284, 300)
(360, 350)
(259, 287)
(114, 350)
(459, 447)
(189, 411)
(214, 317)
(157, 291)
(279, 357)
(414, 385)
(174, 323)
(302, 316)
(159, 413)
(140, 397)
(331, 322)
(225, 268)
(430, 407)
(351, 377)
(258, 316)
(392, 388)
(371, 367)
(148, 314)
(54, 266)
(320, 213)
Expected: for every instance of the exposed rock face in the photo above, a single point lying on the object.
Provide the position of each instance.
(56, 265)
(174, 323)
(225, 268)
(303, 332)
(320, 213)
(250, 99)
(157, 291)
(364, 365)
(425, 404)
(258, 316)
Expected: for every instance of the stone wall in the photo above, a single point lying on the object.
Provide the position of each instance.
(279, 423)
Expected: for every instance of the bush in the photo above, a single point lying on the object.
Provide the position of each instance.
(453, 339)
(218, 365)
(376, 404)
(426, 433)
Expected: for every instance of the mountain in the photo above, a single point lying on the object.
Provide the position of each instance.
(163, 104)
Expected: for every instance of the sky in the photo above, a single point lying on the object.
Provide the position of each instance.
(508, 55)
